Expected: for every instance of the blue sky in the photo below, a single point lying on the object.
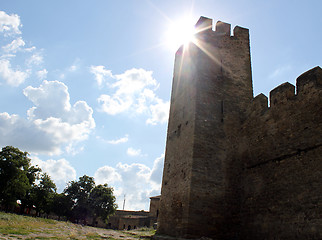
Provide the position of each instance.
(85, 85)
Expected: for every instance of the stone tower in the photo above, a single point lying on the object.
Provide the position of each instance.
(238, 167)
(211, 92)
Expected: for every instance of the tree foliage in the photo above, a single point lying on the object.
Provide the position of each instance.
(79, 193)
(16, 175)
(42, 194)
(62, 205)
(90, 200)
(80, 200)
(102, 202)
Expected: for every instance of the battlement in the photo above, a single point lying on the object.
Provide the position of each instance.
(289, 114)
(223, 28)
(281, 94)
(205, 25)
(309, 79)
(308, 84)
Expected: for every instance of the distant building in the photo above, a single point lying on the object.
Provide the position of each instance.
(134, 219)
(154, 209)
(129, 220)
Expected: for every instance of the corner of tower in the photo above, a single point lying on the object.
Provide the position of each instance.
(203, 24)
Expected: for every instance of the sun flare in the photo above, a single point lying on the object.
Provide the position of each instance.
(180, 32)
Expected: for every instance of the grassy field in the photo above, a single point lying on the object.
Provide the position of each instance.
(14, 226)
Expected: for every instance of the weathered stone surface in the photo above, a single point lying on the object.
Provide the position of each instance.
(234, 167)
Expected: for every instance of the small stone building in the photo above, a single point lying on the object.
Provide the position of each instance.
(154, 209)
(129, 220)
(135, 219)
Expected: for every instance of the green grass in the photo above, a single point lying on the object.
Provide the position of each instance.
(22, 225)
(14, 226)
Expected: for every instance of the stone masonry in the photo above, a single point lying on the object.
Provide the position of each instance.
(236, 168)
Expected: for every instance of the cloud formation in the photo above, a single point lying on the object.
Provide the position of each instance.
(133, 91)
(11, 76)
(14, 46)
(137, 181)
(159, 112)
(101, 74)
(60, 171)
(42, 74)
(52, 123)
(107, 174)
(35, 59)
(120, 140)
(9, 24)
(133, 152)
(12, 71)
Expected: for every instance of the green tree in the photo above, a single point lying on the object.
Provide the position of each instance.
(62, 205)
(102, 202)
(90, 200)
(43, 194)
(27, 201)
(79, 193)
(16, 175)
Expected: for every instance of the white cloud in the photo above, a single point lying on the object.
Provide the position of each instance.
(12, 77)
(282, 70)
(137, 181)
(30, 49)
(14, 46)
(73, 149)
(9, 23)
(60, 171)
(72, 68)
(35, 59)
(133, 91)
(114, 105)
(42, 74)
(101, 74)
(51, 99)
(133, 81)
(127, 90)
(24, 134)
(120, 140)
(107, 174)
(159, 112)
(52, 123)
(133, 152)
(157, 170)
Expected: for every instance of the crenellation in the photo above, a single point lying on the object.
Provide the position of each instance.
(308, 84)
(308, 80)
(259, 104)
(223, 28)
(203, 24)
(281, 94)
(241, 32)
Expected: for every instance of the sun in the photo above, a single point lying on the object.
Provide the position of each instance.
(180, 32)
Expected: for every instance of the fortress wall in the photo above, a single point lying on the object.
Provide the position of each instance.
(281, 150)
(235, 166)
(176, 181)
